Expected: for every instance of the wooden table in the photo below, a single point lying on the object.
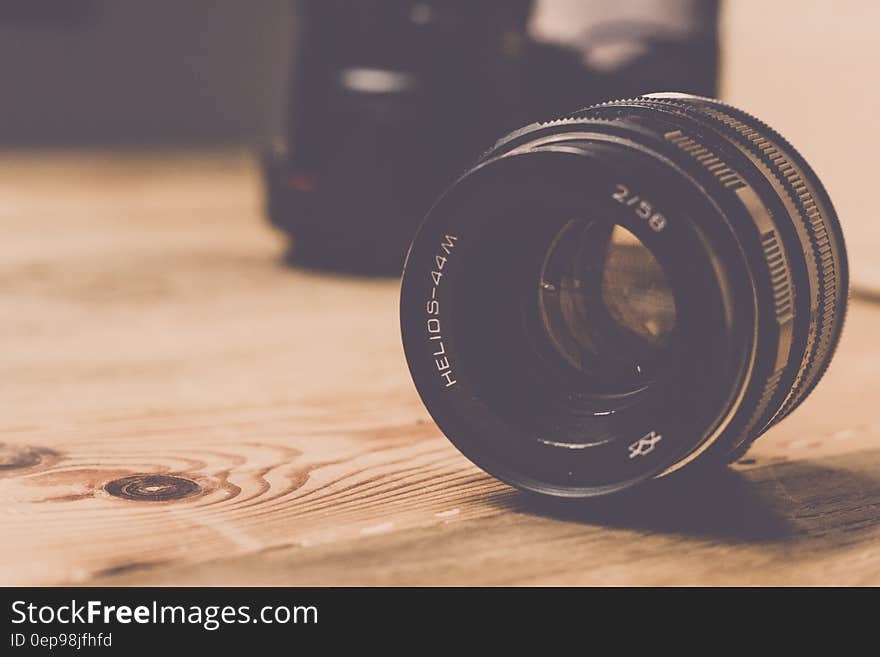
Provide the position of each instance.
(181, 408)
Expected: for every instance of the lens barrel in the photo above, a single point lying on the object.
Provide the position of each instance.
(605, 298)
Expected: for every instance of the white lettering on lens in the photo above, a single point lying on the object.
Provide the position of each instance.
(642, 208)
(433, 308)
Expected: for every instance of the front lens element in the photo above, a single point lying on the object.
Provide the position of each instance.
(605, 304)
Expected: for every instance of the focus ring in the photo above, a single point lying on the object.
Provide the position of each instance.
(819, 340)
(777, 267)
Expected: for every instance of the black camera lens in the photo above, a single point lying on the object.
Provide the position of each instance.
(608, 297)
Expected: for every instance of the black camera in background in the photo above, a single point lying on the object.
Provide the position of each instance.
(392, 99)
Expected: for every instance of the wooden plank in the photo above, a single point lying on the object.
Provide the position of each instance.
(180, 408)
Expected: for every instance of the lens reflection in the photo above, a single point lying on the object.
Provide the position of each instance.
(605, 305)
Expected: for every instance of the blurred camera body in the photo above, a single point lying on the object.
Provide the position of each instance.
(392, 99)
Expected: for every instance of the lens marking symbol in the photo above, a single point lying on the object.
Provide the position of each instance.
(644, 445)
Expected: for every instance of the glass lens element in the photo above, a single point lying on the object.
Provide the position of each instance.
(605, 305)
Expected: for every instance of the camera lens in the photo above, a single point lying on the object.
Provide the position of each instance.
(605, 303)
(639, 288)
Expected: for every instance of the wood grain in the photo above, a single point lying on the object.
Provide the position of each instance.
(179, 407)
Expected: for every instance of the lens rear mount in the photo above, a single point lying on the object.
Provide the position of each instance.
(606, 297)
